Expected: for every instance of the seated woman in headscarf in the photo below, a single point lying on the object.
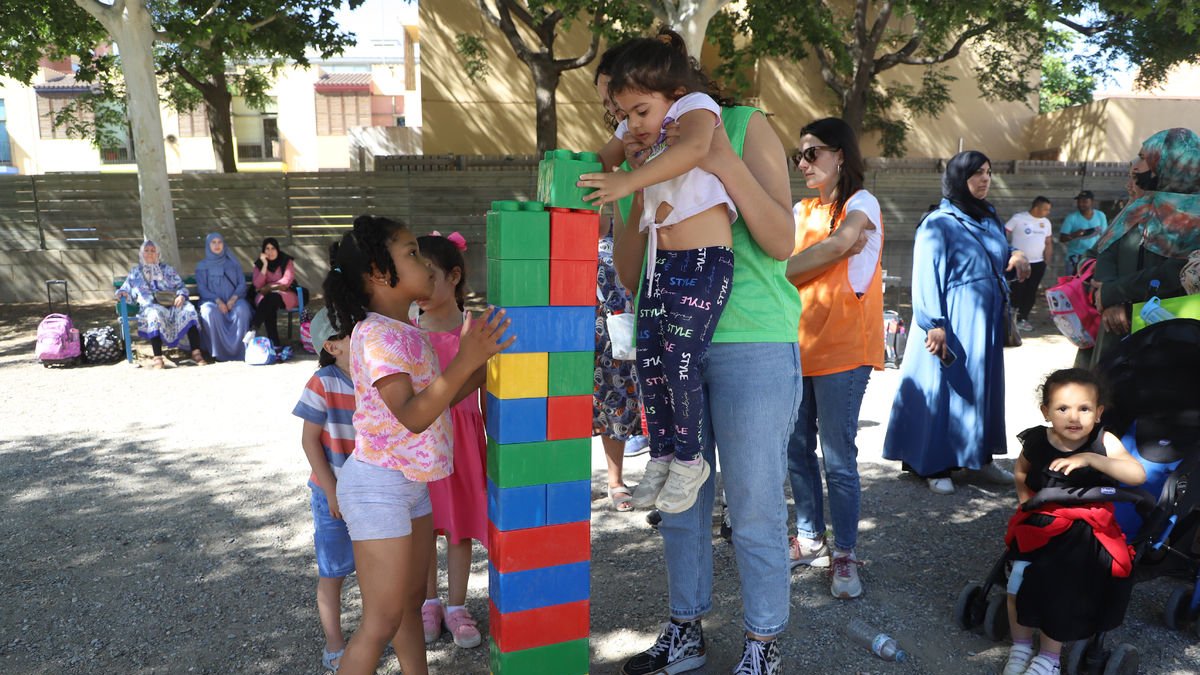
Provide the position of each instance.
(164, 313)
(1150, 239)
(274, 275)
(224, 312)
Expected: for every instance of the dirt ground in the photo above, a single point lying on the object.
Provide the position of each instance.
(158, 522)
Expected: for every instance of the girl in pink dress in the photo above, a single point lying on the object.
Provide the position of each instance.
(460, 500)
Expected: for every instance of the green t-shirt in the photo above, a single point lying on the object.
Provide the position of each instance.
(763, 305)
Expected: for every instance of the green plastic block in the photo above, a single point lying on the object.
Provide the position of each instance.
(539, 463)
(518, 283)
(557, 174)
(518, 231)
(571, 373)
(563, 658)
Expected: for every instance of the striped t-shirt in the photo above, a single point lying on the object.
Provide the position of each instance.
(328, 400)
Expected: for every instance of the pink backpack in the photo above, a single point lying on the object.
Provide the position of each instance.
(1072, 309)
(57, 340)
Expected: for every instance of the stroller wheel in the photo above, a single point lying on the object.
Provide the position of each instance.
(1075, 658)
(1175, 612)
(995, 619)
(1122, 661)
(968, 611)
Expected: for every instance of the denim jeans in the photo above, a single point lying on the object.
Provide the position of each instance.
(829, 408)
(753, 393)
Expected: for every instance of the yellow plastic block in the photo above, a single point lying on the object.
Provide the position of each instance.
(518, 375)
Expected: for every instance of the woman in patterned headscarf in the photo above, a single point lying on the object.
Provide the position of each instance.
(1150, 240)
(164, 313)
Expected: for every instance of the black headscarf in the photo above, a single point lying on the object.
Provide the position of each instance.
(954, 185)
(280, 262)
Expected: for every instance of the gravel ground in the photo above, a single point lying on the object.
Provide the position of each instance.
(157, 522)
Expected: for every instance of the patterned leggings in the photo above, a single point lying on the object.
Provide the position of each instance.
(676, 321)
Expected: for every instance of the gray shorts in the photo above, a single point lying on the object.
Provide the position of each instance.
(379, 503)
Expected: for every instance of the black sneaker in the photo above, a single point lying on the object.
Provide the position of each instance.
(760, 658)
(679, 648)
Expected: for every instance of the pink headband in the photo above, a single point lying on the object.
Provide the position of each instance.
(459, 241)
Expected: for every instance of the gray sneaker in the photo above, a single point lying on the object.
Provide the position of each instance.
(682, 486)
(803, 553)
(994, 473)
(844, 582)
(646, 492)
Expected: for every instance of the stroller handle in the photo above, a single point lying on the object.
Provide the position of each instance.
(1142, 501)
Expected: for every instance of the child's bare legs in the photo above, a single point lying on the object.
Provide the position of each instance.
(1022, 636)
(392, 575)
(329, 609)
(458, 569)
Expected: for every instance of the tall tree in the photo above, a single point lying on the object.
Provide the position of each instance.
(689, 18)
(854, 43)
(62, 28)
(202, 38)
(543, 20)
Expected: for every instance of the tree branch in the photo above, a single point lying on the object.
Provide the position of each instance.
(211, 10)
(1089, 30)
(829, 73)
(881, 22)
(523, 15)
(98, 10)
(585, 58)
(118, 7)
(860, 29)
(895, 58)
(191, 79)
(505, 23)
(255, 26)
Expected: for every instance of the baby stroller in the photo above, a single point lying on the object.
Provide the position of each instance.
(1156, 411)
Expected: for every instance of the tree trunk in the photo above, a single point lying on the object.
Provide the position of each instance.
(854, 109)
(218, 104)
(134, 34)
(690, 19)
(545, 83)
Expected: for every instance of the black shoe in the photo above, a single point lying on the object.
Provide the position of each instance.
(680, 648)
(653, 518)
(760, 658)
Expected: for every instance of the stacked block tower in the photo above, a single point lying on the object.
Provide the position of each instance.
(542, 271)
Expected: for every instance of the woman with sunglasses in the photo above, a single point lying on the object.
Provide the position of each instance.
(949, 410)
(841, 333)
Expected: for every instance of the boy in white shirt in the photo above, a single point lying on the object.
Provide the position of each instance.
(1031, 232)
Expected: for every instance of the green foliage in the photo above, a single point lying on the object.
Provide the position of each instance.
(1063, 84)
(475, 56)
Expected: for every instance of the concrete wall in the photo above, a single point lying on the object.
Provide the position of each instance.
(1110, 129)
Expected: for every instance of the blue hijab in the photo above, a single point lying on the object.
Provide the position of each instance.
(225, 275)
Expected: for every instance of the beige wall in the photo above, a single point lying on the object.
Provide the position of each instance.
(1111, 129)
(498, 116)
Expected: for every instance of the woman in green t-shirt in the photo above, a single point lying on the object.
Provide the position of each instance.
(753, 381)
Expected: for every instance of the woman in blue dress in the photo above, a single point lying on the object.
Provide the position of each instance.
(164, 313)
(224, 312)
(949, 409)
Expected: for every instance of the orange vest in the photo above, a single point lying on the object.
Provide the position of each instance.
(839, 331)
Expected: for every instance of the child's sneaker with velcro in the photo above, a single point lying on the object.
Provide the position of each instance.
(646, 492)
(682, 486)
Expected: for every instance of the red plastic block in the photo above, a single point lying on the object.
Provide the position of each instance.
(573, 234)
(568, 417)
(519, 550)
(573, 282)
(538, 627)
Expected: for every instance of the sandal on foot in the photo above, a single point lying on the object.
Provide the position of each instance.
(157, 363)
(198, 357)
(622, 498)
(328, 658)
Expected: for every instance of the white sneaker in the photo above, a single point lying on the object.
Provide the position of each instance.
(994, 473)
(1043, 665)
(941, 486)
(682, 486)
(1024, 326)
(646, 492)
(810, 552)
(845, 583)
(1018, 660)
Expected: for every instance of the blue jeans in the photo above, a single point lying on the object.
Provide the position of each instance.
(830, 408)
(753, 393)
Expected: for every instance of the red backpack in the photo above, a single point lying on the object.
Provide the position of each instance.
(1072, 309)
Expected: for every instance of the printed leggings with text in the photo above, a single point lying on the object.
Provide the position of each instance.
(677, 316)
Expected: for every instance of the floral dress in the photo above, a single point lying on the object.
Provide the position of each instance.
(156, 320)
(615, 407)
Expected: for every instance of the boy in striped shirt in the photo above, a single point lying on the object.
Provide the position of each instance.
(327, 406)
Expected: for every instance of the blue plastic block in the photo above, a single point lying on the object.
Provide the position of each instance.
(542, 587)
(516, 420)
(552, 329)
(568, 502)
(516, 508)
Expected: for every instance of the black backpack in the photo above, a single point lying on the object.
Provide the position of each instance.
(102, 345)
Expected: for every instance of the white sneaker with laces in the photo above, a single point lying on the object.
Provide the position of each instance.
(1024, 326)
(810, 552)
(941, 486)
(994, 473)
(646, 492)
(682, 486)
(845, 583)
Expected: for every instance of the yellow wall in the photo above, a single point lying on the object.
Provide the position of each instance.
(498, 116)
(1111, 129)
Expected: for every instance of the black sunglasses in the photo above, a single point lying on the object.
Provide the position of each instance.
(809, 154)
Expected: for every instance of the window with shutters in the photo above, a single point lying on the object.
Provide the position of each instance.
(193, 123)
(50, 106)
(337, 112)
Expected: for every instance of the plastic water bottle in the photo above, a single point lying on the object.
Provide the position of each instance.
(880, 644)
(1152, 312)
